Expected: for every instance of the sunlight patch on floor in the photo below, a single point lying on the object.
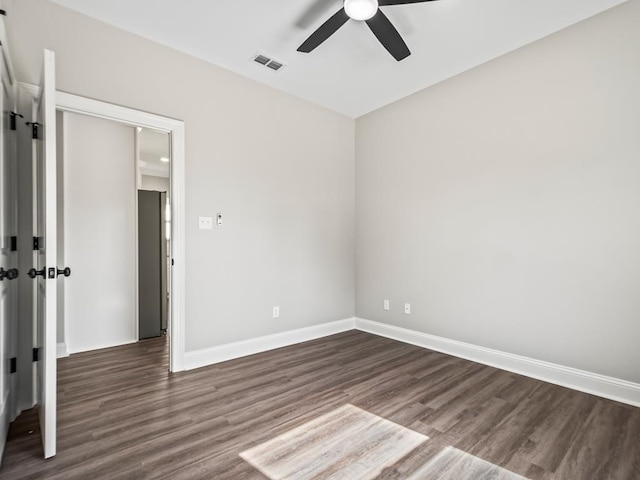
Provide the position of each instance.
(454, 464)
(346, 443)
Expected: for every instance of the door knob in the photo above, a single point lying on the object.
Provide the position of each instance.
(10, 274)
(33, 273)
(66, 271)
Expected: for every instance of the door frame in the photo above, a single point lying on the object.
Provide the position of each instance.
(67, 102)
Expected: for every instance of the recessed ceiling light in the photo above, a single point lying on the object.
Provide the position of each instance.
(164, 159)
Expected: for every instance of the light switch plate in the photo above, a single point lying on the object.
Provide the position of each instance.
(205, 223)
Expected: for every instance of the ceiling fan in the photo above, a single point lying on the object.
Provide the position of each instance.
(367, 11)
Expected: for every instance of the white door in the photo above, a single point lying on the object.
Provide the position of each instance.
(8, 246)
(45, 261)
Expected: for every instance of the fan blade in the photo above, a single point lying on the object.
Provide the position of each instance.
(388, 36)
(325, 30)
(384, 3)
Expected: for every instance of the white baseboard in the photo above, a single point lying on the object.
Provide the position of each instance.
(588, 382)
(62, 350)
(593, 383)
(93, 348)
(229, 351)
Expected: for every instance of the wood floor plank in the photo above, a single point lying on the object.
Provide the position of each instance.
(122, 415)
(554, 436)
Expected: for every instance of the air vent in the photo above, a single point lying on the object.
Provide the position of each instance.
(268, 62)
(262, 60)
(274, 65)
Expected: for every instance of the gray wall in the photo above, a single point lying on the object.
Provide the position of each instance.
(99, 233)
(281, 170)
(504, 204)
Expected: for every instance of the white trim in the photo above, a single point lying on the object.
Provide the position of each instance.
(593, 383)
(230, 351)
(62, 350)
(588, 382)
(68, 102)
(93, 348)
(136, 234)
(177, 192)
(108, 111)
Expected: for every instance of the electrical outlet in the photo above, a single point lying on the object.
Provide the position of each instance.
(276, 312)
(407, 309)
(386, 305)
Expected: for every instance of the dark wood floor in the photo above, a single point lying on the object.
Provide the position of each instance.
(121, 415)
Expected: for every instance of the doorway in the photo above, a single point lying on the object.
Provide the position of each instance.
(153, 231)
(174, 129)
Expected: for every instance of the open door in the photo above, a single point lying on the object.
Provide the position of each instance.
(45, 268)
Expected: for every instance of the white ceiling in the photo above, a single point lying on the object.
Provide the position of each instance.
(351, 72)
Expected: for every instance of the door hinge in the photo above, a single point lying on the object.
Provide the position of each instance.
(36, 354)
(14, 243)
(35, 129)
(38, 243)
(12, 120)
(13, 365)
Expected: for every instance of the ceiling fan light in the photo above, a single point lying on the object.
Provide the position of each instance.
(361, 9)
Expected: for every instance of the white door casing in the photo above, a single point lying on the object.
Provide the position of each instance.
(67, 102)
